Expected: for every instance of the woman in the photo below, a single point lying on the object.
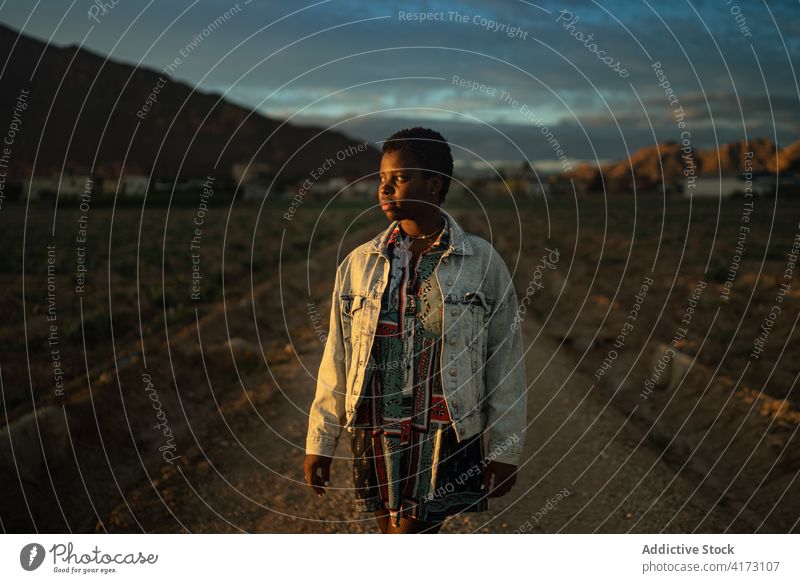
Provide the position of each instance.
(423, 357)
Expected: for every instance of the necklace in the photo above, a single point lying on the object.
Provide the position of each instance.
(421, 237)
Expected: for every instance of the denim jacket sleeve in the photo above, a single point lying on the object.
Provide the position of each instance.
(506, 384)
(327, 414)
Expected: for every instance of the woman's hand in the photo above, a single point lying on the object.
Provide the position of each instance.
(314, 479)
(505, 476)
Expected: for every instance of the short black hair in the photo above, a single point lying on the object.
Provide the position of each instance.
(428, 148)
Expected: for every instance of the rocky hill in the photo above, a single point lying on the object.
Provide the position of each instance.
(668, 161)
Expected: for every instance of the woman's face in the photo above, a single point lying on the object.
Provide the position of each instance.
(404, 192)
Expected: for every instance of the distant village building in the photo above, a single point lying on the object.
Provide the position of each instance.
(75, 186)
(365, 188)
(715, 186)
(161, 185)
(108, 186)
(361, 188)
(329, 187)
(66, 186)
(760, 184)
(343, 188)
(35, 188)
(254, 190)
(253, 179)
(135, 185)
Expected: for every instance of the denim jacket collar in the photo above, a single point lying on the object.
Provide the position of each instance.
(458, 239)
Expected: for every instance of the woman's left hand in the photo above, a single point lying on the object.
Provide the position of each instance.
(505, 476)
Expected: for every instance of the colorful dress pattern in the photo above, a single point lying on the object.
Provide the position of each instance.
(406, 457)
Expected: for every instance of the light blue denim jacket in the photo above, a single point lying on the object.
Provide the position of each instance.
(483, 370)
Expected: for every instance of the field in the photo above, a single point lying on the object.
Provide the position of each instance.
(139, 268)
(618, 280)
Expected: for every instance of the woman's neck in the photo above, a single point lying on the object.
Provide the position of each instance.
(424, 226)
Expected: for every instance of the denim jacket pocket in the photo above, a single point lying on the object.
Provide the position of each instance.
(350, 305)
(480, 307)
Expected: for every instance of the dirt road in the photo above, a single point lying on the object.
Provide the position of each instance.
(585, 469)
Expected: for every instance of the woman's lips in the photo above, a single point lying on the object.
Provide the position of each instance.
(386, 205)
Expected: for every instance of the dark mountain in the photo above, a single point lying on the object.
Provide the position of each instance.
(85, 112)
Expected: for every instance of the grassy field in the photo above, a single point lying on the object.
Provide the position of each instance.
(139, 269)
(608, 247)
(618, 242)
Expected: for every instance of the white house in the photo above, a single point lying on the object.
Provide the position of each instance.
(135, 185)
(67, 186)
(35, 187)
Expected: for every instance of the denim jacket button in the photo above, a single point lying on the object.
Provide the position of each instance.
(452, 371)
(452, 340)
(454, 311)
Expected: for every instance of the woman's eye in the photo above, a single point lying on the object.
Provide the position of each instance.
(396, 178)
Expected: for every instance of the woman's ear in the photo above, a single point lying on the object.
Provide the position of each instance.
(435, 184)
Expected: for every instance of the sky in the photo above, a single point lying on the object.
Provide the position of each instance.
(511, 80)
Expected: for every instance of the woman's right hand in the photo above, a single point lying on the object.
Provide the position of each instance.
(317, 480)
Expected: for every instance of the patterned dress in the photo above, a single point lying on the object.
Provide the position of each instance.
(406, 457)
